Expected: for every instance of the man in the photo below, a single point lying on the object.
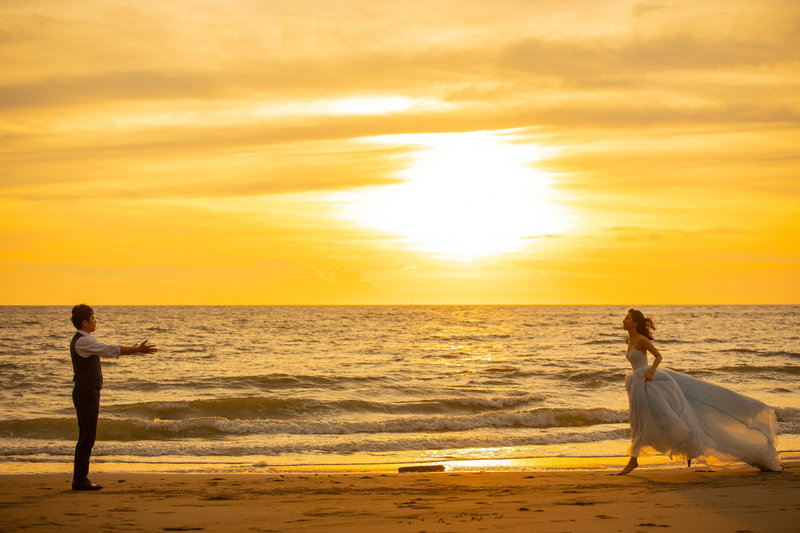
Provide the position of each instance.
(85, 352)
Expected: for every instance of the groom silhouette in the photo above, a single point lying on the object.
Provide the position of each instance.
(85, 352)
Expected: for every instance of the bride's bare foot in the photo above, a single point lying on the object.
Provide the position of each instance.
(633, 463)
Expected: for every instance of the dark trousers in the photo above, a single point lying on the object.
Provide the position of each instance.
(87, 405)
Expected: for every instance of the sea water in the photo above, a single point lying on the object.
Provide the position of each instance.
(265, 388)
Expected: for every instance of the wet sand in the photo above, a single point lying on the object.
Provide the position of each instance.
(698, 499)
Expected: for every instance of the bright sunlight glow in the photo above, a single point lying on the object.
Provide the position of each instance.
(465, 196)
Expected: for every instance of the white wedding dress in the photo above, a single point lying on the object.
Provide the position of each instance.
(679, 415)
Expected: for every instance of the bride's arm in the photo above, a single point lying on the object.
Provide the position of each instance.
(656, 359)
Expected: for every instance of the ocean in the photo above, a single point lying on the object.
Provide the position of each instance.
(274, 388)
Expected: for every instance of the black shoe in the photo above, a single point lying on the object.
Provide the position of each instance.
(86, 485)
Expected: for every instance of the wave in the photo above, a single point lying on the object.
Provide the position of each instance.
(789, 423)
(594, 378)
(47, 346)
(786, 369)
(788, 420)
(763, 353)
(283, 408)
(615, 340)
(682, 341)
(157, 329)
(268, 447)
(188, 349)
(215, 427)
(788, 414)
(781, 353)
(468, 337)
(501, 370)
(258, 382)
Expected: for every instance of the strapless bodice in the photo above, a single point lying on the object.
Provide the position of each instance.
(637, 358)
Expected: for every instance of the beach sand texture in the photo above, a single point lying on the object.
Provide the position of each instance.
(738, 500)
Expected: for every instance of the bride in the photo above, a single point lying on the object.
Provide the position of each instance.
(678, 415)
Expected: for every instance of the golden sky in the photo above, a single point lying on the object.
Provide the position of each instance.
(330, 152)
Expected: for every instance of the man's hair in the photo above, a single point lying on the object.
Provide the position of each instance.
(80, 313)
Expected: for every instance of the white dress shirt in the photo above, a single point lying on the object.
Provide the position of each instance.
(88, 346)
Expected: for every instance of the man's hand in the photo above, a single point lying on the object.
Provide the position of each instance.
(146, 348)
(137, 348)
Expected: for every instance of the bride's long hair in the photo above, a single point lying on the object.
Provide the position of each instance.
(644, 325)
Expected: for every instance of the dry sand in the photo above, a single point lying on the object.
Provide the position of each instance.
(738, 500)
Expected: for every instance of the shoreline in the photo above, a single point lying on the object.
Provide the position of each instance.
(689, 499)
(364, 464)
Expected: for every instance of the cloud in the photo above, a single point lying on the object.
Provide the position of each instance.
(345, 285)
(98, 88)
(598, 63)
(646, 8)
(621, 62)
(290, 55)
(638, 233)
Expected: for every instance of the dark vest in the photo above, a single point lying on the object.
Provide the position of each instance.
(87, 372)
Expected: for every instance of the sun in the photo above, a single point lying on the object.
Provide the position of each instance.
(464, 196)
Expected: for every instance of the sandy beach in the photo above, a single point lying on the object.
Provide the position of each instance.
(698, 499)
